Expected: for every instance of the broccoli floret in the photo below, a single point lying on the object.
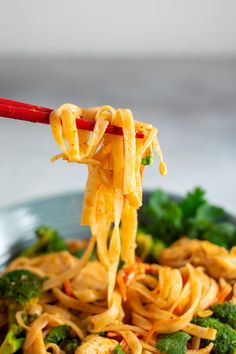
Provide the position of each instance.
(58, 334)
(148, 248)
(70, 345)
(120, 266)
(164, 217)
(147, 160)
(192, 202)
(13, 340)
(49, 240)
(102, 334)
(19, 287)
(117, 350)
(168, 219)
(226, 313)
(144, 245)
(159, 246)
(225, 342)
(173, 343)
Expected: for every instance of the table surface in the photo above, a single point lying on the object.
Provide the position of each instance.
(192, 102)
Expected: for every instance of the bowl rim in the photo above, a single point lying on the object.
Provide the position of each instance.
(39, 199)
(74, 193)
(32, 205)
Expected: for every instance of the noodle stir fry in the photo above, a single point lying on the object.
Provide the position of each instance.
(97, 295)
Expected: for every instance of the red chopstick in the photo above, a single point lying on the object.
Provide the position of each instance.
(37, 114)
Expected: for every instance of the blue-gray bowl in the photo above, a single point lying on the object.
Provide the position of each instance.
(18, 222)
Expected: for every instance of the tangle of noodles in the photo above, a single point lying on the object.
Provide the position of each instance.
(114, 190)
(159, 300)
(130, 306)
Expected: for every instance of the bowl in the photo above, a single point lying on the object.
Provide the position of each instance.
(18, 222)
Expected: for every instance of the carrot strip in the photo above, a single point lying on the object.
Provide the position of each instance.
(121, 285)
(123, 343)
(113, 334)
(178, 310)
(223, 295)
(68, 288)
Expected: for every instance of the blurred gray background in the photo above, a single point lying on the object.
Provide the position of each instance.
(172, 62)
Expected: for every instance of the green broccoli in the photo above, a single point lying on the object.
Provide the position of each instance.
(13, 340)
(159, 246)
(70, 345)
(147, 160)
(173, 343)
(145, 244)
(222, 234)
(60, 335)
(17, 289)
(226, 313)
(20, 286)
(192, 202)
(117, 350)
(168, 219)
(148, 248)
(163, 217)
(120, 266)
(48, 241)
(225, 342)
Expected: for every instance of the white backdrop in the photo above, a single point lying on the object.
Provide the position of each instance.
(118, 27)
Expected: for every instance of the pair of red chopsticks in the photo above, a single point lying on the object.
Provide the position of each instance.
(37, 114)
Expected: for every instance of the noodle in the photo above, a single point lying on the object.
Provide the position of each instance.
(124, 183)
(102, 303)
